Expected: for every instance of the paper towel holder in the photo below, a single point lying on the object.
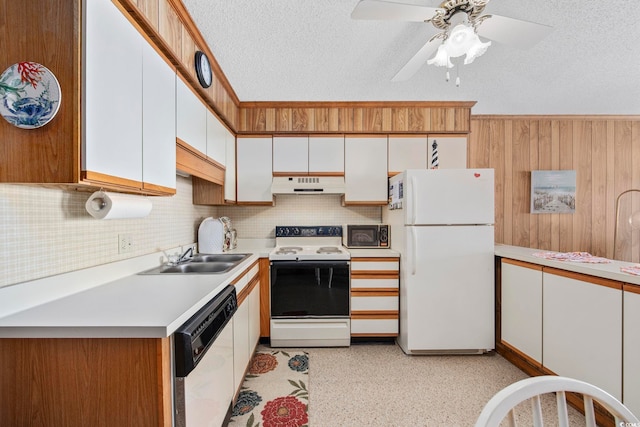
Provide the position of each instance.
(104, 205)
(98, 203)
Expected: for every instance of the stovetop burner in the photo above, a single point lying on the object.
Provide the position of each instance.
(309, 243)
(328, 250)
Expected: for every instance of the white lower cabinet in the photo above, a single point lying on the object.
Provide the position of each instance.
(246, 323)
(521, 307)
(241, 354)
(374, 297)
(582, 328)
(254, 318)
(631, 367)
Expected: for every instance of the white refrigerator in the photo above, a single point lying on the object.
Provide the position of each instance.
(441, 222)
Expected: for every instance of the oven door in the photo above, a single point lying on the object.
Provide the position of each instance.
(309, 289)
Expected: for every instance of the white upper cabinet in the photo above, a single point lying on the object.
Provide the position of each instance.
(254, 169)
(191, 117)
(290, 154)
(308, 154)
(230, 171)
(158, 120)
(451, 151)
(365, 170)
(326, 155)
(407, 152)
(112, 140)
(216, 139)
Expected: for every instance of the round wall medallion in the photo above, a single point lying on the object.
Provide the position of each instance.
(29, 95)
(203, 69)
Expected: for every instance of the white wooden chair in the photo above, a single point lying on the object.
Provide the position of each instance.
(502, 404)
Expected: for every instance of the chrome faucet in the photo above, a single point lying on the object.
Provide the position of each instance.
(186, 255)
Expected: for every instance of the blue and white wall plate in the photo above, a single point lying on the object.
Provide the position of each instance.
(29, 95)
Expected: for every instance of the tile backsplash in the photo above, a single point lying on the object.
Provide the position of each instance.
(258, 222)
(48, 231)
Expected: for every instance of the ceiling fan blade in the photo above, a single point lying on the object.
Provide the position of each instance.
(513, 32)
(390, 11)
(417, 61)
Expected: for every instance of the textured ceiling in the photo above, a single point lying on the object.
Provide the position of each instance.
(311, 50)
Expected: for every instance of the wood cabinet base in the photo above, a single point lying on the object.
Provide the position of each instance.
(85, 382)
(533, 368)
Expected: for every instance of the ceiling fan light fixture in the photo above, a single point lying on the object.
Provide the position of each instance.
(477, 49)
(441, 58)
(461, 38)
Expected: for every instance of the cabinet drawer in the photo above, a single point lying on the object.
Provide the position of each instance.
(374, 327)
(374, 283)
(374, 303)
(381, 266)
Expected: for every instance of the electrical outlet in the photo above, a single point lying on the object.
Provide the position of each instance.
(125, 243)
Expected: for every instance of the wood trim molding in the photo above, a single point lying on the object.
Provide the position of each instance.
(522, 264)
(374, 334)
(265, 298)
(376, 259)
(375, 315)
(629, 287)
(356, 104)
(585, 117)
(364, 203)
(109, 181)
(246, 291)
(365, 274)
(195, 33)
(157, 189)
(194, 163)
(528, 360)
(374, 292)
(533, 368)
(583, 278)
(245, 272)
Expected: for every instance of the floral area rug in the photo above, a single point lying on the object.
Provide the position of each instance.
(274, 392)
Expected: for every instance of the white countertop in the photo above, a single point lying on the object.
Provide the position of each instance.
(607, 271)
(373, 253)
(132, 306)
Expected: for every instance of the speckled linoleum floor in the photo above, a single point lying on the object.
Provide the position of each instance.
(378, 385)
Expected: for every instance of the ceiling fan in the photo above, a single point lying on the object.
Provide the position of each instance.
(460, 22)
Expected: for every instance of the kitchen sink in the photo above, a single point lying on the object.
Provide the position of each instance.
(202, 264)
(218, 257)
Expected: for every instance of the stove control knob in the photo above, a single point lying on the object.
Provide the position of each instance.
(295, 231)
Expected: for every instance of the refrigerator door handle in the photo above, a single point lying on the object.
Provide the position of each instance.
(414, 247)
(414, 200)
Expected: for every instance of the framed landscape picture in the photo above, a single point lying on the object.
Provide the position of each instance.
(553, 191)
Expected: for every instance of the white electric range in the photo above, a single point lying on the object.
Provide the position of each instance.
(310, 288)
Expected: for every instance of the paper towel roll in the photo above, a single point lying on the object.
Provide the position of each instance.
(103, 205)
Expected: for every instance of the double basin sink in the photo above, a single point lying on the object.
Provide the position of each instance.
(202, 264)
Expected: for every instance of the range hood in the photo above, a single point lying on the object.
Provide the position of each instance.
(307, 185)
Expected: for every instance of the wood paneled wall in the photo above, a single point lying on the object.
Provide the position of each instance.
(169, 26)
(357, 117)
(604, 151)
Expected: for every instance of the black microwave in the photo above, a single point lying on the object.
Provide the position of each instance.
(366, 236)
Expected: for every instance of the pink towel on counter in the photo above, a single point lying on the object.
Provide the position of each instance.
(585, 257)
(634, 269)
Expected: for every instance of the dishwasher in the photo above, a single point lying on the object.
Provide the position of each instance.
(203, 364)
